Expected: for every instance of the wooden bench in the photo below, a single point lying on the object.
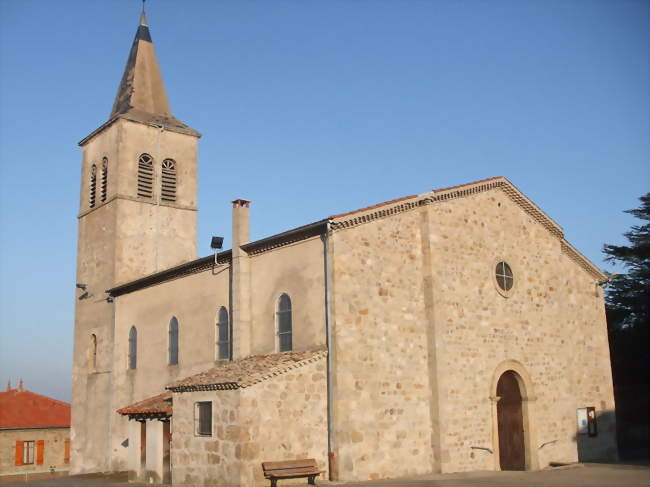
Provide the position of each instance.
(291, 469)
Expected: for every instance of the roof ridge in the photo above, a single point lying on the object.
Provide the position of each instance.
(24, 391)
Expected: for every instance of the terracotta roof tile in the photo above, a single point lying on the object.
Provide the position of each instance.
(374, 206)
(160, 404)
(247, 371)
(379, 205)
(26, 409)
(468, 184)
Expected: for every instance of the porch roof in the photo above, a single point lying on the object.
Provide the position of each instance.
(159, 406)
(247, 371)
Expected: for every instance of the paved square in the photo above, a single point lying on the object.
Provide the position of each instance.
(590, 475)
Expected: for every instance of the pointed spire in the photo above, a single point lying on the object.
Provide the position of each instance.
(141, 95)
(143, 16)
(8, 385)
(142, 88)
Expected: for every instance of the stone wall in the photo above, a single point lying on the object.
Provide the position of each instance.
(195, 301)
(281, 418)
(552, 323)
(421, 336)
(298, 271)
(53, 452)
(382, 390)
(122, 238)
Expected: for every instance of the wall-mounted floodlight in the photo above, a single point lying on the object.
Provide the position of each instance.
(216, 243)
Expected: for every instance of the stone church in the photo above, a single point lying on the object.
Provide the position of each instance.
(448, 331)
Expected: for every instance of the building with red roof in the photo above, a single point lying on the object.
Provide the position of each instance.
(34, 433)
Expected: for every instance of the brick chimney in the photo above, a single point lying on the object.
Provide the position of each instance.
(241, 281)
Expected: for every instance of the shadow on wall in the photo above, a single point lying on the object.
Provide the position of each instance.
(596, 440)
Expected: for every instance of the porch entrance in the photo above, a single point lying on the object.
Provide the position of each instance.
(512, 452)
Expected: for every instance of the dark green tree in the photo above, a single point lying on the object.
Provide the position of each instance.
(628, 295)
(628, 320)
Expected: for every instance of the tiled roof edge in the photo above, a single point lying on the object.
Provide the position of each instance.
(184, 129)
(285, 238)
(182, 270)
(248, 382)
(404, 204)
(283, 370)
(400, 205)
(573, 254)
(223, 386)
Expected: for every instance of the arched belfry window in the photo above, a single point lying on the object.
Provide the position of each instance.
(104, 187)
(133, 348)
(173, 341)
(223, 335)
(145, 176)
(168, 187)
(93, 186)
(283, 321)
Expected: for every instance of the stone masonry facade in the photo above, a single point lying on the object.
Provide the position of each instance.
(54, 450)
(421, 330)
(283, 417)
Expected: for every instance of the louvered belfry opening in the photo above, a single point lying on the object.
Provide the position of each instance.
(104, 187)
(93, 186)
(168, 188)
(145, 176)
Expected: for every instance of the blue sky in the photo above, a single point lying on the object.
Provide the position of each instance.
(312, 108)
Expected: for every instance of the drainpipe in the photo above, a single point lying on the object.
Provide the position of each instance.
(332, 466)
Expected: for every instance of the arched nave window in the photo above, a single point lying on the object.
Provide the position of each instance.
(133, 348)
(283, 323)
(223, 335)
(173, 341)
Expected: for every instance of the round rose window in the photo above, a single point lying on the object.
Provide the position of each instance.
(504, 277)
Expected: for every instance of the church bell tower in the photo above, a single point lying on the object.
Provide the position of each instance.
(137, 216)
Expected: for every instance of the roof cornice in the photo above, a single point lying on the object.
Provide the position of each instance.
(182, 270)
(375, 212)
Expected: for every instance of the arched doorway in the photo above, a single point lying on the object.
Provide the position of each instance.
(510, 419)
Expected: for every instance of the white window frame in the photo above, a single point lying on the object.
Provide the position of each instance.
(28, 452)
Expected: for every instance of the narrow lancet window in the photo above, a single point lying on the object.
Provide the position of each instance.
(283, 320)
(133, 348)
(223, 335)
(93, 186)
(145, 176)
(92, 352)
(173, 341)
(168, 187)
(104, 187)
